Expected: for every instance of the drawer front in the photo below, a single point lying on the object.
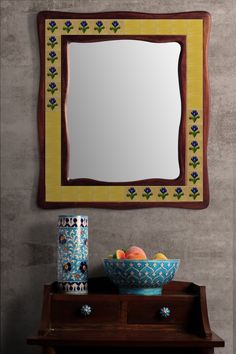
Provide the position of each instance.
(72, 313)
(161, 311)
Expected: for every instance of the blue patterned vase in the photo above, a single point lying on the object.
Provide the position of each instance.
(72, 263)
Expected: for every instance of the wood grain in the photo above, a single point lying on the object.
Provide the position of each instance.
(127, 321)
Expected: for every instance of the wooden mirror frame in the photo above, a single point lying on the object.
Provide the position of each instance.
(56, 30)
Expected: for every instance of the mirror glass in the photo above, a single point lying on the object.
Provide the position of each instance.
(123, 110)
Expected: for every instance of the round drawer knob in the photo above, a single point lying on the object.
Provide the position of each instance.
(165, 312)
(86, 310)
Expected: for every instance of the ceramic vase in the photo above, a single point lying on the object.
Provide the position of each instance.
(72, 262)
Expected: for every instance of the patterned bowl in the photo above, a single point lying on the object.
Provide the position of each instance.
(141, 277)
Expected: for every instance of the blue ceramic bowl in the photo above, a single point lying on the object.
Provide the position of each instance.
(141, 277)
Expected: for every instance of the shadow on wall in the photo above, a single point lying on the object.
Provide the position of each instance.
(37, 267)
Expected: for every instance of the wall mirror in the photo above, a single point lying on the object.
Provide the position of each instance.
(123, 110)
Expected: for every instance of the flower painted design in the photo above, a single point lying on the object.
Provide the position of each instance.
(83, 267)
(194, 116)
(194, 146)
(115, 26)
(52, 41)
(99, 26)
(132, 193)
(52, 103)
(194, 177)
(194, 162)
(52, 26)
(52, 71)
(194, 193)
(52, 56)
(72, 253)
(194, 130)
(147, 193)
(83, 26)
(68, 26)
(178, 193)
(86, 310)
(62, 239)
(165, 312)
(67, 267)
(52, 88)
(163, 193)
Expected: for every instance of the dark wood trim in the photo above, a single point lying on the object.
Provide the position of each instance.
(58, 339)
(180, 181)
(122, 205)
(49, 350)
(41, 197)
(42, 16)
(204, 313)
(135, 325)
(206, 107)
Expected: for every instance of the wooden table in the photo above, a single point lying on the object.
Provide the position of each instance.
(130, 323)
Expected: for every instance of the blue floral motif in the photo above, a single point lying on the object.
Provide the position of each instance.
(52, 87)
(52, 71)
(62, 239)
(52, 26)
(194, 193)
(86, 310)
(52, 41)
(67, 267)
(194, 130)
(165, 312)
(194, 146)
(52, 103)
(134, 276)
(194, 177)
(178, 193)
(72, 254)
(194, 113)
(194, 116)
(83, 26)
(131, 193)
(115, 26)
(83, 267)
(99, 26)
(163, 193)
(68, 26)
(194, 162)
(147, 193)
(52, 56)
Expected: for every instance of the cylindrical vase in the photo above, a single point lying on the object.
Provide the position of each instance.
(72, 261)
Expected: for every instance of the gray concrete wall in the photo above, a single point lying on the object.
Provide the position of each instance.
(203, 240)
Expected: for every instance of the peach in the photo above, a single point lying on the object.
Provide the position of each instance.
(135, 252)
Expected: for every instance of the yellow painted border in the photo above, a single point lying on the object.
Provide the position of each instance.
(54, 191)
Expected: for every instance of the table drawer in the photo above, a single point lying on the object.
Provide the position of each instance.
(70, 313)
(160, 311)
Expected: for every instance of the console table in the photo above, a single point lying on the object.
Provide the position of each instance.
(175, 322)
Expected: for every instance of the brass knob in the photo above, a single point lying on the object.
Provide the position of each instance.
(86, 310)
(165, 312)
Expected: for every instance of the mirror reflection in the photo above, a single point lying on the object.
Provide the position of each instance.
(123, 110)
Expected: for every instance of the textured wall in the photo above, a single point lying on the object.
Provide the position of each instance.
(202, 239)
